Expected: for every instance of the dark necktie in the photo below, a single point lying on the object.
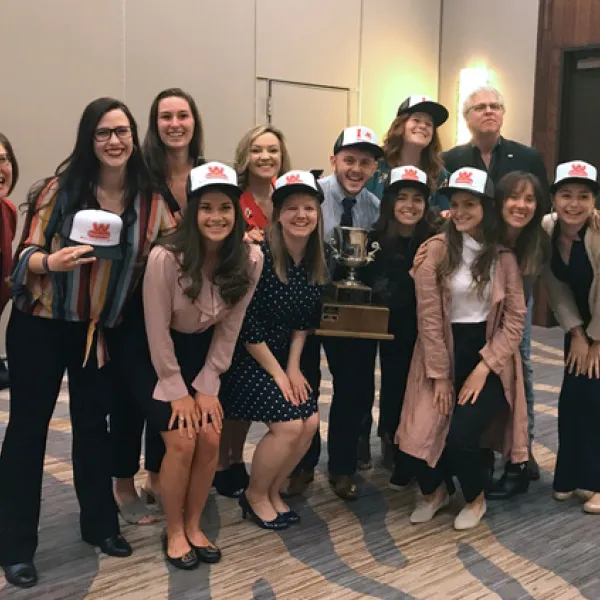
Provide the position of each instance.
(348, 204)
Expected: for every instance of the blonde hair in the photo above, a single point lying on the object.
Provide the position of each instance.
(315, 249)
(431, 156)
(241, 161)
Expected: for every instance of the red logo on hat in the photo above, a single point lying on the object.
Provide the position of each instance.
(424, 99)
(410, 174)
(465, 177)
(359, 134)
(216, 173)
(578, 171)
(293, 179)
(100, 231)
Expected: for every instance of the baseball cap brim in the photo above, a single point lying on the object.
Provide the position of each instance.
(226, 188)
(449, 190)
(593, 185)
(282, 193)
(408, 183)
(436, 111)
(376, 151)
(106, 252)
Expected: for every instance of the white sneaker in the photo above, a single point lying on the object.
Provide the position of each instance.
(425, 511)
(469, 516)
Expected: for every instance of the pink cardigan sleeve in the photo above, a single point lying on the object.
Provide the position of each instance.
(226, 334)
(430, 313)
(506, 339)
(160, 281)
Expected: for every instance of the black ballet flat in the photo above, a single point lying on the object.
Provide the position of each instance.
(115, 545)
(23, 575)
(228, 484)
(515, 480)
(207, 554)
(187, 562)
(291, 516)
(276, 524)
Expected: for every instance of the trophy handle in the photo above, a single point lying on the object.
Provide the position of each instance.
(375, 248)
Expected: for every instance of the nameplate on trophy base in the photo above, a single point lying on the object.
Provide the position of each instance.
(354, 321)
(344, 293)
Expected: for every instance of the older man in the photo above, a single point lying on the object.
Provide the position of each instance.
(483, 111)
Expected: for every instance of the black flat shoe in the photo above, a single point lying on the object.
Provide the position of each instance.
(207, 554)
(115, 545)
(276, 524)
(226, 483)
(23, 575)
(514, 480)
(291, 516)
(187, 562)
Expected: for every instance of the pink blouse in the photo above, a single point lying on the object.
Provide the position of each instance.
(167, 307)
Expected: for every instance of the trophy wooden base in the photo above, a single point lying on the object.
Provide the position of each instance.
(354, 321)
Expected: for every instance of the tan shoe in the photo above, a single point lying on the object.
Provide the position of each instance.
(426, 510)
(562, 496)
(592, 506)
(470, 516)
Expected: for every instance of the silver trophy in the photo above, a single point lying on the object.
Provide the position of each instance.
(349, 245)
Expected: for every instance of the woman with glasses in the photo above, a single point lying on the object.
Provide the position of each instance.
(173, 145)
(9, 175)
(67, 296)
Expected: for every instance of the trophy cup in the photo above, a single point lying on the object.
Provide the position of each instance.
(347, 310)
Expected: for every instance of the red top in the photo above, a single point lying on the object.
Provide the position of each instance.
(253, 214)
(8, 228)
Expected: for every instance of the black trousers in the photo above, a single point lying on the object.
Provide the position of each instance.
(462, 456)
(132, 378)
(578, 459)
(352, 365)
(310, 365)
(39, 351)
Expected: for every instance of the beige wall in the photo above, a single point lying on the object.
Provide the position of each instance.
(501, 36)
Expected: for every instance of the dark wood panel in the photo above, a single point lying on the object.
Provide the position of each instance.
(563, 25)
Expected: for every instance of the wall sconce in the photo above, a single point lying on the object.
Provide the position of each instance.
(469, 79)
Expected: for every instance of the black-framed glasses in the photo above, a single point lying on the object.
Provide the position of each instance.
(5, 160)
(105, 133)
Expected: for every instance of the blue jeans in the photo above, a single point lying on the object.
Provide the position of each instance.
(525, 349)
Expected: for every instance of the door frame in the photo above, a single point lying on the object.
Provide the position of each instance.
(271, 81)
(568, 56)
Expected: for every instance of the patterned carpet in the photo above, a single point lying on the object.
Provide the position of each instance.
(530, 547)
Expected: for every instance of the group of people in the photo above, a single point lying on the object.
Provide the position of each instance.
(181, 297)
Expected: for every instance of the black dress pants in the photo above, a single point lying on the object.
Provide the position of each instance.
(578, 458)
(133, 380)
(39, 351)
(352, 365)
(462, 456)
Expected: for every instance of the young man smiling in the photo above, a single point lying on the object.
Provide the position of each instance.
(351, 360)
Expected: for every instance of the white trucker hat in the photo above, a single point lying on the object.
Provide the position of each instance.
(408, 176)
(98, 228)
(294, 182)
(358, 137)
(212, 174)
(470, 180)
(576, 171)
(420, 103)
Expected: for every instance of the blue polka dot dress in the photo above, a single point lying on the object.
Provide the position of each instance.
(248, 392)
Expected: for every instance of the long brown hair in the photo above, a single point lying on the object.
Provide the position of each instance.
(314, 255)
(431, 156)
(242, 152)
(232, 275)
(481, 270)
(533, 246)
